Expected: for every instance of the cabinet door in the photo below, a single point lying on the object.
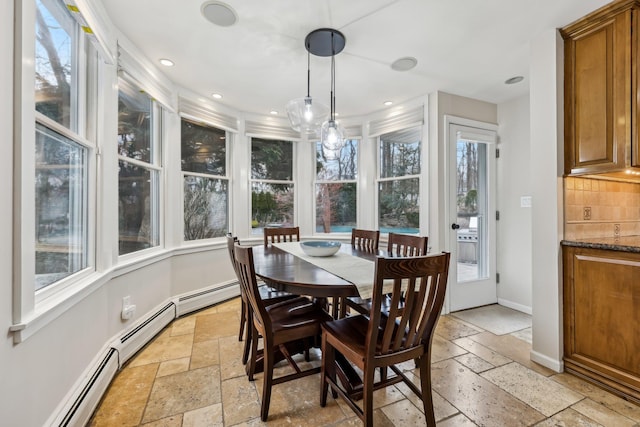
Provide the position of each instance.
(598, 96)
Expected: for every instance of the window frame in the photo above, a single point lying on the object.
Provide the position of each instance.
(30, 305)
(355, 181)
(227, 177)
(158, 165)
(292, 182)
(380, 179)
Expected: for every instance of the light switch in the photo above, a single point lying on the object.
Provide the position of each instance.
(525, 201)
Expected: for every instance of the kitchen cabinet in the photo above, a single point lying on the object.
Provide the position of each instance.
(601, 90)
(601, 298)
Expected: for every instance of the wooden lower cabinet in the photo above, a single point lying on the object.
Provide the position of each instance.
(602, 318)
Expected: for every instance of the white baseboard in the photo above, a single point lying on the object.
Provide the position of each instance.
(193, 301)
(515, 306)
(80, 403)
(78, 406)
(546, 361)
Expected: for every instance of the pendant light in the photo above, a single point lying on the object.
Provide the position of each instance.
(328, 42)
(305, 115)
(331, 133)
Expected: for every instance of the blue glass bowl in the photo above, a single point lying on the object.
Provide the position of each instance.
(320, 247)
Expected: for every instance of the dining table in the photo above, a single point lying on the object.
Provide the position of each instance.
(348, 273)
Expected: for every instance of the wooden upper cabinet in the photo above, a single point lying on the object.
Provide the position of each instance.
(601, 90)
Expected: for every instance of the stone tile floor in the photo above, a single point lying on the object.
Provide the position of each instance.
(191, 375)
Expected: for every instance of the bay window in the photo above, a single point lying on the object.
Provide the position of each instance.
(206, 185)
(139, 169)
(272, 186)
(336, 184)
(399, 181)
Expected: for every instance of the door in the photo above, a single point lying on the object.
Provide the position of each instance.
(472, 214)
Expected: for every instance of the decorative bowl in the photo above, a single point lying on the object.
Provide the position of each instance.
(320, 247)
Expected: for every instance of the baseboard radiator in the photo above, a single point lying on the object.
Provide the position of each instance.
(78, 407)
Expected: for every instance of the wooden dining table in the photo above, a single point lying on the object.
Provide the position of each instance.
(288, 272)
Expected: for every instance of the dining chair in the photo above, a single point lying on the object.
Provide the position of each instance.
(281, 234)
(397, 245)
(268, 296)
(406, 244)
(280, 324)
(377, 341)
(367, 240)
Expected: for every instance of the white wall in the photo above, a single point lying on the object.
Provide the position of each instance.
(514, 227)
(546, 92)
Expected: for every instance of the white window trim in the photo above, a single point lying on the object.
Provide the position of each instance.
(228, 159)
(31, 309)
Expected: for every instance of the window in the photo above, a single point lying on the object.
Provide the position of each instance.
(62, 168)
(56, 62)
(272, 187)
(206, 186)
(399, 181)
(139, 170)
(336, 189)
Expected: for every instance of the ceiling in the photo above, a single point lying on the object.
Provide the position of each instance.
(463, 47)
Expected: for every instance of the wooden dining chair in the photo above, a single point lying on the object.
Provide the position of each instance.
(377, 341)
(397, 245)
(279, 324)
(267, 295)
(281, 234)
(407, 244)
(367, 240)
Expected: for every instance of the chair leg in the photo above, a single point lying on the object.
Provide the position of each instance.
(268, 380)
(254, 351)
(243, 318)
(248, 338)
(367, 397)
(327, 369)
(425, 384)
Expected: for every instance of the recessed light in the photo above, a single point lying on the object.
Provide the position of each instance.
(217, 96)
(404, 64)
(219, 13)
(166, 62)
(388, 103)
(514, 80)
(274, 112)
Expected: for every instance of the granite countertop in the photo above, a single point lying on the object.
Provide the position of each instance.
(623, 244)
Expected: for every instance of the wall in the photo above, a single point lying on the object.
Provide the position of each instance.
(514, 227)
(608, 204)
(547, 106)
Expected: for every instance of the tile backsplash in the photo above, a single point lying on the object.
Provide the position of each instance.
(599, 208)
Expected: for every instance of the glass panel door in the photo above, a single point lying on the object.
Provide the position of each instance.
(473, 218)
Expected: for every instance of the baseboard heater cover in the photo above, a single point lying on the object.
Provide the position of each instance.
(141, 334)
(198, 300)
(80, 407)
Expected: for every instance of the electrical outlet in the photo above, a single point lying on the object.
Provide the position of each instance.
(586, 213)
(616, 230)
(128, 309)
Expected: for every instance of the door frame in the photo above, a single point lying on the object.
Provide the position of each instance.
(451, 235)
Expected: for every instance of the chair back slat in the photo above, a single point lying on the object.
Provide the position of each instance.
(419, 286)
(249, 282)
(407, 245)
(231, 241)
(366, 240)
(281, 234)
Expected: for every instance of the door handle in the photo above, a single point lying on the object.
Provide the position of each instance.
(455, 226)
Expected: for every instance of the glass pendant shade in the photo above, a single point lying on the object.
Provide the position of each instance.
(305, 115)
(332, 137)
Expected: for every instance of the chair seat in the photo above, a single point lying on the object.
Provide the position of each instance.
(271, 296)
(298, 315)
(352, 331)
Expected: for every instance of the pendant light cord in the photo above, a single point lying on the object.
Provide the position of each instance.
(333, 77)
